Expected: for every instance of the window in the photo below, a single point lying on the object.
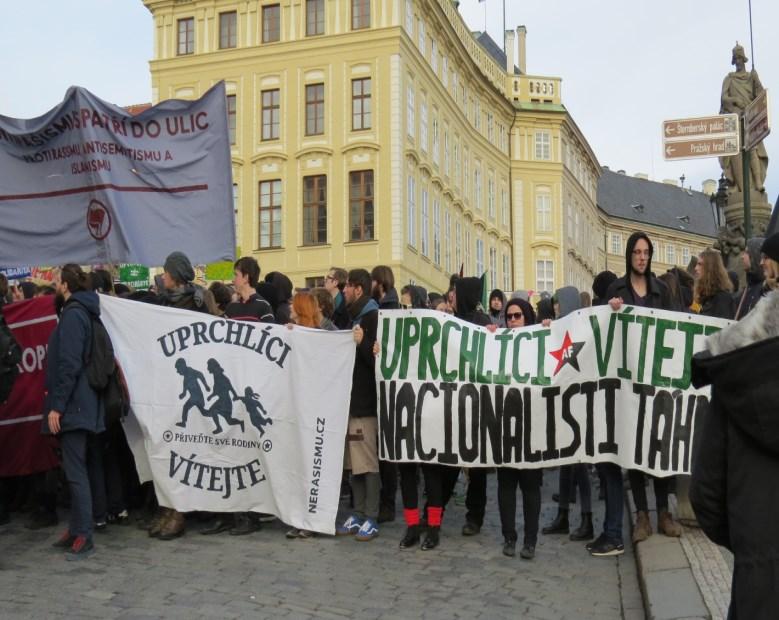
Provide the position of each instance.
(361, 104)
(477, 187)
(491, 198)
(423, 125)
(228, 30)
(315, 282)
(270, 214)
(315, 210)
(542, 145)
(423, 229)
(437, 231)
(466, 175)
(361, 14)
(490, 128)
(410, 17)
(361, 205)
(271, 114)
(570, 220)
(543, 212)
(457, 161)
(467, 245)
(410, 121)
(436, 142)
(447, 241)
(477, 115)
(506, 273)
(616, 243)
(445, 71)
(685, 257)
(271, 23)
(670, 254)
(447, 159)
(458, 244)
(421, 32)
(231, 116)
(493, 267)
(544, 276)
(433, 56)
(237, 215)
(479, 257)
(315, 17)
(412, 212)
(186, 40)
(504, 206)
(315, 109)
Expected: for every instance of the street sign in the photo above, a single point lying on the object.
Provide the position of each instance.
(701, 147)
(705, 136)
(756, 121)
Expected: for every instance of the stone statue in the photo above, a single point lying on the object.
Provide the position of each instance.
(739, 89)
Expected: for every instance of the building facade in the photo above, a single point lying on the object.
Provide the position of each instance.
(372, 132)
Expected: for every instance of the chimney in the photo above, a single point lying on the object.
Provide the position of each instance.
(510, 47)
(641, 175)
(674, 182)
(709, 187)
(522, 58)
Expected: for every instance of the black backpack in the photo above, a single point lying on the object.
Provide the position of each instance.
(10, 356)
(104, 373)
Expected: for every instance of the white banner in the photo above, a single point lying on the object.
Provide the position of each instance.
(236, 416)
(595, 386)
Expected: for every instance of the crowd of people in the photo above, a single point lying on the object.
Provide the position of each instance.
(100, 483)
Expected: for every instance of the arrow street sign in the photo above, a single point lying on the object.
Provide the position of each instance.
(705, 136)
(756, 121)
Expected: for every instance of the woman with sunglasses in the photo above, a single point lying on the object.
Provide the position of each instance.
(519, 313)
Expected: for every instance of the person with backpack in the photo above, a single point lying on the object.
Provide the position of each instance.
(75, 411)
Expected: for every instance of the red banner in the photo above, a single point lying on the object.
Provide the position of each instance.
(23, 450)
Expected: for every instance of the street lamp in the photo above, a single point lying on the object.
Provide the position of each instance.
(719, 201)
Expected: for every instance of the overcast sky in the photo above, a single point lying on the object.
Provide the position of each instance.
(626, 65)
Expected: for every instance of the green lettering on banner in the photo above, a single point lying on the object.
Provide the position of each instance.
(446, 375)
(690, 331)
(601, 355)
(481, 376)
(410, 338)
(711, 329)
(541, 379)
(661, 353)
(469, 358)
(625, 318)
(645, 322)
(519, 378)
(502, 377)
(431, 332)
(387, 371)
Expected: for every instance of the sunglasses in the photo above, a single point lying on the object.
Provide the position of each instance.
(514, 316)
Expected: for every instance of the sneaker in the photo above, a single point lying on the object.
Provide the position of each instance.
(527, 552)
(298, 533)
(598, 541)
(368, 531)
(100, 526)
(120, 518)
(65, 541)
(81, 548)
(263, 517)
(349, 527)
(471, 529)
(244, 524)
(509, 547)
(607, 548)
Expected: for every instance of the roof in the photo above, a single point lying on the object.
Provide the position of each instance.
(137, 108)
(658, 204)
(493, 49)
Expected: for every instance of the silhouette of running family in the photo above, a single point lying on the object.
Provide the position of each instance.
(222, 391)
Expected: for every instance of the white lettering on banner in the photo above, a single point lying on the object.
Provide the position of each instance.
(595, 386)
(228, 413)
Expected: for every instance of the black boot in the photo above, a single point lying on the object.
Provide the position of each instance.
(560, 523)
(585, 531)
(509, 547)
(431, 538)
(411, 538)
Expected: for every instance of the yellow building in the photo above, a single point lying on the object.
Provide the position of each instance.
(370, 132)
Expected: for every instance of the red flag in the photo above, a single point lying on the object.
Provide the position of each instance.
(23, 450)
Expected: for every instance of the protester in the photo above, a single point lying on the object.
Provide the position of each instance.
(223, 296)
(671, 280)
(638, 287)
(600, 286)
(519, 313)
(102, 281)
(335, 282)
(75, 412)
(283, 286)
(754, 289)
(325, 302)
(496, 302)
(713, 289)
(362, 435)
(736, 464)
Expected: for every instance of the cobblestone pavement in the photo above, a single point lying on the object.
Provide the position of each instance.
(264, 575)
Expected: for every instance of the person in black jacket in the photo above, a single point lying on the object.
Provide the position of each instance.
(335, 282)
(362, 435)
(736, 456)
(713, 288)
(76, 413)
(638, 287)
(754, 289)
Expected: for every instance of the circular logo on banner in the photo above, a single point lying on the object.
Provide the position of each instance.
(98, 220)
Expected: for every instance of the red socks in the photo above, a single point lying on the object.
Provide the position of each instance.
(411, 515)
(434, 515)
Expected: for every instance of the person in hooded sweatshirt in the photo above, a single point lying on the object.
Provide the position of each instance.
(496, 303)
(565, 301)
(755, 288)
(638, 287)
(76, 413)
(735, 466)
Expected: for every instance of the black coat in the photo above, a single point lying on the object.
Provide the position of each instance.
(67, 388)
(720, 305)
(735, 472)
(365, 313)
(657, 295)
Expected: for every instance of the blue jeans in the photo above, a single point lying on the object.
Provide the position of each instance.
(82, 463)
(615, 501)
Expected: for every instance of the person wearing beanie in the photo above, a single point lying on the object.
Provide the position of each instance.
(495, 311)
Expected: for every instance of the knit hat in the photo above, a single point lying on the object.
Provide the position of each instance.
(179, 267)
(771, 247)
